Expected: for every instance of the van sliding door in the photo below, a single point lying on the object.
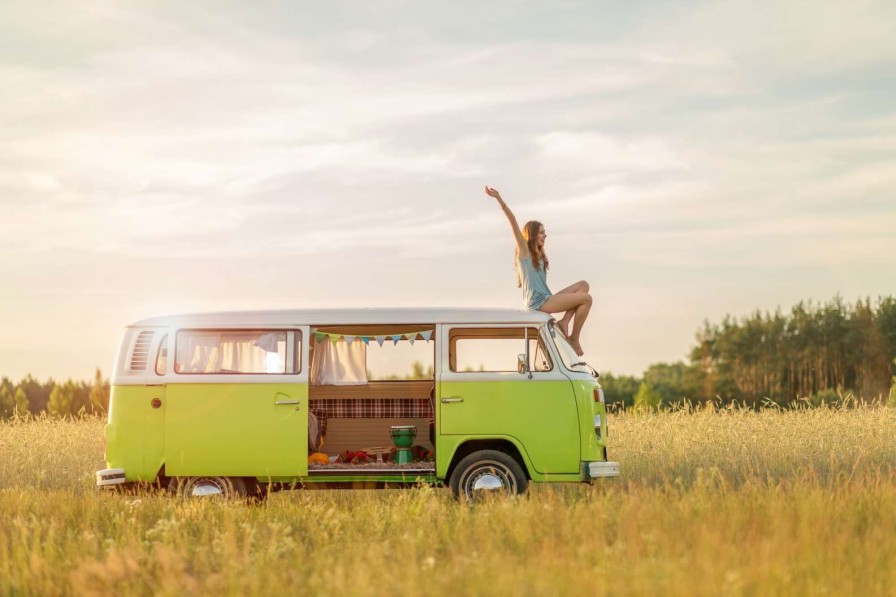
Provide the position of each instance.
(238, 404)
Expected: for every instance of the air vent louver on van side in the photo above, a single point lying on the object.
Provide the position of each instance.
(140, 354)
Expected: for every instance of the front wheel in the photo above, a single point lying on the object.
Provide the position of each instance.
(487, 472)
(228, 488)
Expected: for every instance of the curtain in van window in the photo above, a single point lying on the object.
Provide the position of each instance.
(339, 364)
(231, 352)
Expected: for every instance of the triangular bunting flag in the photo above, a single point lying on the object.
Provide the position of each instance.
(380, 340)
(426, 335)
(365, 340)
(349, 339)
(334, 338)
(411, 337)
(319, 336)
(395, 339)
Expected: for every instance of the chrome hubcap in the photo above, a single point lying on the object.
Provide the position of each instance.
(487, 478)
(207, 487)
(487, 482)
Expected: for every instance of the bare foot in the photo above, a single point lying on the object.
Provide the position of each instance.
(576, 346)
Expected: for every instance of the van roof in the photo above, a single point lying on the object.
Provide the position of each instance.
(331, 317)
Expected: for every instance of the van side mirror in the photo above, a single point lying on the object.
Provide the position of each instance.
(522, 364)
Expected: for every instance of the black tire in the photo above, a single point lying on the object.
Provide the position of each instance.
(487, 472)
(227, 488)
(256, 493)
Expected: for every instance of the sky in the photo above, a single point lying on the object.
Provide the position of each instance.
(688, 159)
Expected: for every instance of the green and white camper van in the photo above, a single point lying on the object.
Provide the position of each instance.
(243, 403)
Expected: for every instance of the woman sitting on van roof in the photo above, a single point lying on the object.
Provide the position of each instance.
(531, 268)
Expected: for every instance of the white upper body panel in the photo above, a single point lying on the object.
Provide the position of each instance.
(332, 317)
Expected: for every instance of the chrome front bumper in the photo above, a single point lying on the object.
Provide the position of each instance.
(110, 477)
(599, 470)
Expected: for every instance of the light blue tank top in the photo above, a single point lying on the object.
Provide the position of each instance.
(535, 284)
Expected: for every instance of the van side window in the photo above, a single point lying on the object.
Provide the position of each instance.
(400, 360)
(236, 351)
(162, 357)
(496, 349)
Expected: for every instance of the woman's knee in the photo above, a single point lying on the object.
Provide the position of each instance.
(584, 286)
(586, 299)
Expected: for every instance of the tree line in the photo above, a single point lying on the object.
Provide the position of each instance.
(815, 354)
(54, 398)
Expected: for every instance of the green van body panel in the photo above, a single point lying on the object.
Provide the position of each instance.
(154, 434)
(592, 445)
(134, 437)
(447, 446)
(238, 439)
(540, 417)
(236, 429)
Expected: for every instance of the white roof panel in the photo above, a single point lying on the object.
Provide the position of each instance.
(324, 317)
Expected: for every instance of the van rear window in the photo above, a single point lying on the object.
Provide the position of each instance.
(236, 351)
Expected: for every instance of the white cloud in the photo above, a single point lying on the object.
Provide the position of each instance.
(793, 37)
(590, 152)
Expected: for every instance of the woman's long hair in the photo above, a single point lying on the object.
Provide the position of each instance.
(537, 254)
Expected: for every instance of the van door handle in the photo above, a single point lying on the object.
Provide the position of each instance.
(452, 399)
(287, 402)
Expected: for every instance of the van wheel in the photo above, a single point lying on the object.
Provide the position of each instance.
(228, 488)
(487, 472)
(256, 493)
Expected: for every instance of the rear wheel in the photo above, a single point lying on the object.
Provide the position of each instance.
(228, 488)
(487, 473)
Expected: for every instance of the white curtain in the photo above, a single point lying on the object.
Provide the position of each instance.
(231, 352)
(339, 364)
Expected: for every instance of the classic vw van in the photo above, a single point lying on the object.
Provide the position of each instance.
(240, 404)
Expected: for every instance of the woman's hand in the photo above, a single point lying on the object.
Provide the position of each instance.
(492, 192)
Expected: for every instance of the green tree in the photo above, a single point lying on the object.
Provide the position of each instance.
(647, 397)
(61, 399)
(99, 394)
(38, 393)
(674, 382)
(69, 398)
(22, 406)
(619, 390)
(418, 372)
(7, 398)
(891, 401)
(813, 350)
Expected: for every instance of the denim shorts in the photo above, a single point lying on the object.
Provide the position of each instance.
(536, 301)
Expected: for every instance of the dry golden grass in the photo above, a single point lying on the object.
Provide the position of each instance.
(710, 503)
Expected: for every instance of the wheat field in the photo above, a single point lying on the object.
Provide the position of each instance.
(710, 502)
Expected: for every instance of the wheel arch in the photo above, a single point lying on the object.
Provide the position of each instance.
(502, 444)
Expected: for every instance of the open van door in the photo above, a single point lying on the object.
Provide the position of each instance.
(237, 404)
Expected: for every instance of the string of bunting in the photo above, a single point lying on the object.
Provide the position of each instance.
(409, 336)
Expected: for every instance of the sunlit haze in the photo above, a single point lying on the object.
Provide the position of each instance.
(689, 160)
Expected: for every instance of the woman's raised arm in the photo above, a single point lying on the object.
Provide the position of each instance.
(522, 248)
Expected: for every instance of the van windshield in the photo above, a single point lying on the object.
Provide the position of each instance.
(568, 355)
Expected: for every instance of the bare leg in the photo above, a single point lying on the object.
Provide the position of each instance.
(578, 287)
(563, 322)
(577, 302)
